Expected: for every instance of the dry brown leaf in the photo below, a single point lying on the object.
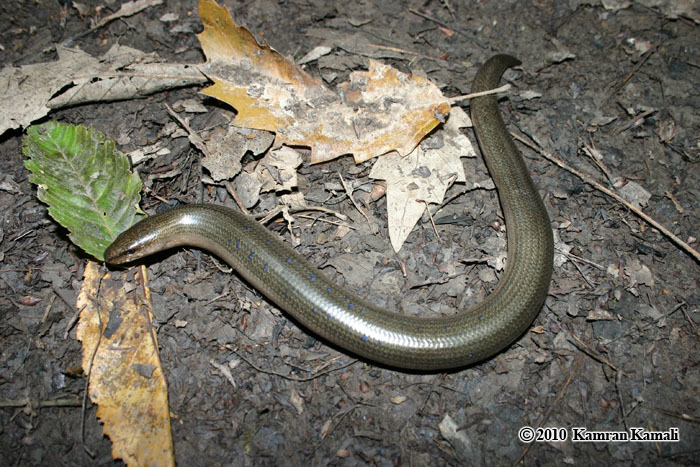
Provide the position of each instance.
(377, 111)
(120, 354)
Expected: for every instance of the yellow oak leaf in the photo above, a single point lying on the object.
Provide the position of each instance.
(375, 112)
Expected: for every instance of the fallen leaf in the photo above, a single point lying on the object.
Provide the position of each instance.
(226, 148)
(277, 170)
(599, 315)
(375, 112)
(456, 437)
(247, 186)
(632, 192)
(326, 428)
(31, 91)
(294, 201)
(120, 355)
(422, 177)
(398, 400)
(671, 9)
(357, 45)
(315, 54)
(639, 274)
(296, 400)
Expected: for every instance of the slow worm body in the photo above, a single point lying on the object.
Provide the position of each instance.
(354, 324)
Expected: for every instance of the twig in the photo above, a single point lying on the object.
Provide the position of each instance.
(274, 212)
(629, 76)
(585, 348)
(445, 25)
(75, 402)
(683, 245)
(665, 315)
(348, 43)
(583, 260)
(127, 9)
(430, 215)
(234, 195)
(583, 276)
(681, 416)
(293, 378)
(620, 398)
(503, 88)
(592, 152)
(348, 191)
(690, 320)
(192, 136)
(327, 221)
(635, 122)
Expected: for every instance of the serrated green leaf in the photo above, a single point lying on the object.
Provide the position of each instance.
(86, 182)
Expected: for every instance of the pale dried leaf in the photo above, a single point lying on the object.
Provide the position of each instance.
(227, 146)
(674, 9)
(247, 187)
(457, 438)
(30, 91)
(296, 400)
(599, 315)
(277, 170)
(639, 273)
(634, 193)
(315, 54)
(294, 200)
(422, 176)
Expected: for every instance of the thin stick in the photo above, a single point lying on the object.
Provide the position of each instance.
(348, 191)
(503, 88)
(430, 215)
(445, 25)
(320, 219)
(294, 378)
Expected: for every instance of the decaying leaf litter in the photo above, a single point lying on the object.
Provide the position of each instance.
(577, 283)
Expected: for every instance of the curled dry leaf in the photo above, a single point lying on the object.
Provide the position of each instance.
(278, 169)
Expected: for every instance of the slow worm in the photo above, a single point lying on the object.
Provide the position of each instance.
(352, 323)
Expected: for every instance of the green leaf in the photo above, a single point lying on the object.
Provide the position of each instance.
(86, 182)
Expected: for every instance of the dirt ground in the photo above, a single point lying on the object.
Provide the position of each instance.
(615, 346)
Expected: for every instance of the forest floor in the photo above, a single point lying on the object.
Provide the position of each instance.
(614, 93)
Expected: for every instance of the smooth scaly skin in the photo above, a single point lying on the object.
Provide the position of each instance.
(350, 322)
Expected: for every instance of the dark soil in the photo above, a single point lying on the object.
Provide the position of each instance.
(616, 345)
